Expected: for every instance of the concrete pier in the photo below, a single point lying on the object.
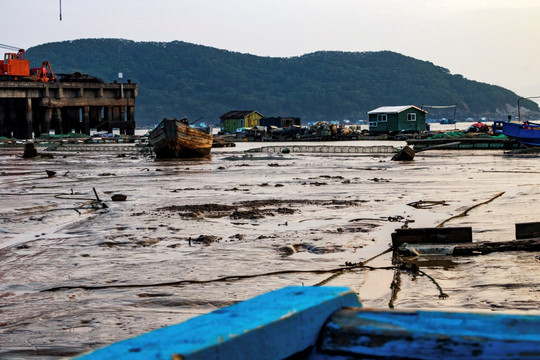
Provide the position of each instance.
(35, 107)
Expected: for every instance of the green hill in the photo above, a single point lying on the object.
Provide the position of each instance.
(180, 79)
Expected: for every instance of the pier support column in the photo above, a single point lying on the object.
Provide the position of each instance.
(46, 120)
(94, 119)
(109, 113)
(131, 113)
(27, 127)
(85, 128)
(2, 119)
(12, 114)
(116, 113)
(58, 120)
(123, 118)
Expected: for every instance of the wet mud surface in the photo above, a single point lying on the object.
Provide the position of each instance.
(192, 236)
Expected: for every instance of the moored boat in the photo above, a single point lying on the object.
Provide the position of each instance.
(315, 323)
(174, 138)
(527, 133)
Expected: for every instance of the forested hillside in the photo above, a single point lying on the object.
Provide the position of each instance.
(180, 79)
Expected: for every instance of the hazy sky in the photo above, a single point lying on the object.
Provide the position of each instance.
(493, 41)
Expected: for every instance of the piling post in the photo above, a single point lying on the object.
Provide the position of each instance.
(27, 127)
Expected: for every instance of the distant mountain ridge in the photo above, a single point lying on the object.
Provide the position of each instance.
(178, 79)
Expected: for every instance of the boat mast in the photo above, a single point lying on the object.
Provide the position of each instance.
(521, 98)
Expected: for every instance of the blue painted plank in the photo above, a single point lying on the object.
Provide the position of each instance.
(274, 325)
(430, 335)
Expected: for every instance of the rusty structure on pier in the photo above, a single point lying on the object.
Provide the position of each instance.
(29, 109)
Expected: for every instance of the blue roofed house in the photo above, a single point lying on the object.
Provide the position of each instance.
(388, 119)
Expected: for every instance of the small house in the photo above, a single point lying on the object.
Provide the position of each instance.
(280, 122)
(237, 119)
(388, 119)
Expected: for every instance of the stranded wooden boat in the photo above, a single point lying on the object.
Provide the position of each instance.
(316, 323)
(527, 133)
(174, 138)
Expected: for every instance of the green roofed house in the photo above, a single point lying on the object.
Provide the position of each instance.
(238, 119)
(388, 119)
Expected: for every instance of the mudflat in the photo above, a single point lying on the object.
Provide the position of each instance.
(96, 247)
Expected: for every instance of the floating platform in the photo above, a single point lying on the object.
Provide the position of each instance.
(483, 143)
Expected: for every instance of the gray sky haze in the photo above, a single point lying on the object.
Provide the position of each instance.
(492, 41)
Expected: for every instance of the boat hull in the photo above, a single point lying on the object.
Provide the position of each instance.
(526, 133)
(174, 138)
(323, 323)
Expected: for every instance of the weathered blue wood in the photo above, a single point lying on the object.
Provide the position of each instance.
(274, 325)
(356, 333)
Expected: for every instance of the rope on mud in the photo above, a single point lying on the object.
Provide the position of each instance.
(412, 269)
(395, 286)
(339, 273)
(464, 213)
(221, 279)
(442, 294)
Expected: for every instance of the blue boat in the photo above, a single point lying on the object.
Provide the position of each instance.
(316, 323)
(445, 121)
(527, 133)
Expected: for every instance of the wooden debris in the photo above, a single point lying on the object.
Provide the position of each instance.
(95, 193)
(405, 154)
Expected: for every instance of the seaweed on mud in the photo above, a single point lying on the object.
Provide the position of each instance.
(252, 209)
(204, 239)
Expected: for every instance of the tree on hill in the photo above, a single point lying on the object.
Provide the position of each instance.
(178, 79)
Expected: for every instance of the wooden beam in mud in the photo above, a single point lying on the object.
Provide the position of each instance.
(465, 249)
(528, 230)
(486, 247)
(458, 241)
(431, 236)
